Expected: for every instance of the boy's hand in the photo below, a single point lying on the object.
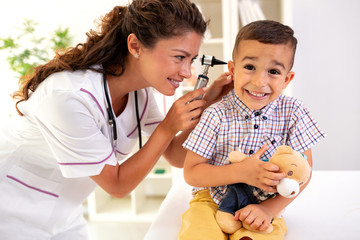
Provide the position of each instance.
(255, 216)
(263, 175)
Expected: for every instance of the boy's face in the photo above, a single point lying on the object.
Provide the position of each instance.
(260, 72)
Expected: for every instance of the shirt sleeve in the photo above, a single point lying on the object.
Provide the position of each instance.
(74, 135)
(202, 140)
(305, 131)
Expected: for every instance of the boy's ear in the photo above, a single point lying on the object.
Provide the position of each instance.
(134, 44)
(289, 77)
(231, 67)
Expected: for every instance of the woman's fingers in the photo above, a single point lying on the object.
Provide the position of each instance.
(191, 96)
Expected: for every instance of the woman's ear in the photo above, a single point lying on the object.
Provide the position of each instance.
(134, 45)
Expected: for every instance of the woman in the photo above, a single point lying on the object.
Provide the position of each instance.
(80, 115)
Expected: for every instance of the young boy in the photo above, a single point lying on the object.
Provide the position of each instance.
(255, 119)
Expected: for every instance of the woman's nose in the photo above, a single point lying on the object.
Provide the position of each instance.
(185, 70)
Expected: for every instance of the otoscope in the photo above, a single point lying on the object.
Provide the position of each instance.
(203, 79)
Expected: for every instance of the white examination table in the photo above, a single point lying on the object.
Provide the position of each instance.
(329, 208)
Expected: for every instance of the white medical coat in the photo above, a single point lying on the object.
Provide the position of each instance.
(47, 156)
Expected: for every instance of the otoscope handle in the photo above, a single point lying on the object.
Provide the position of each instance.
(202, 81)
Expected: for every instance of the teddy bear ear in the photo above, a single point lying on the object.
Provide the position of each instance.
(284, 149)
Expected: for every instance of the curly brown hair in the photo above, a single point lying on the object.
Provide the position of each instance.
(149, 20)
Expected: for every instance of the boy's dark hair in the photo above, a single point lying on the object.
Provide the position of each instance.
(268, 32)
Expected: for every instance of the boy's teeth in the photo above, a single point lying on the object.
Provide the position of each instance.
(257, 94)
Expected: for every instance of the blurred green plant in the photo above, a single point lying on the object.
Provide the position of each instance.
(28, 50)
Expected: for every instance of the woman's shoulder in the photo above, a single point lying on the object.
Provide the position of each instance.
(65, 87)
(73, 80)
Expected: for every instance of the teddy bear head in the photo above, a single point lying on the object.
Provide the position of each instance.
(296, 168)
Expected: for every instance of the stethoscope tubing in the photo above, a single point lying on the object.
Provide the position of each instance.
(112, 120)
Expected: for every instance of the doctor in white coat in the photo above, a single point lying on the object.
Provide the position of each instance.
(81, 114)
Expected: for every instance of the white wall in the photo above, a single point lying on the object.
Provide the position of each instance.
(326, 64)
(78, 15)
(327, 76)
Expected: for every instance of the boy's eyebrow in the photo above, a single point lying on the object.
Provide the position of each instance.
(277, 63)
(250, 58)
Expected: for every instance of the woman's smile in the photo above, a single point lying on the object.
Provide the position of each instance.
(175, 83)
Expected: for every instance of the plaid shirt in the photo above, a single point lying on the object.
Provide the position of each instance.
(230, 125)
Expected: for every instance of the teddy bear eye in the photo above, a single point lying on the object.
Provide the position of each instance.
(290, 173)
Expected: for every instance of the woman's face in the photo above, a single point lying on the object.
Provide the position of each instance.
(165, 66)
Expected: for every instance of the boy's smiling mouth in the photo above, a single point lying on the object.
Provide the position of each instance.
(256, 94)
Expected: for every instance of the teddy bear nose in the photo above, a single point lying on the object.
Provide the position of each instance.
(288, 188)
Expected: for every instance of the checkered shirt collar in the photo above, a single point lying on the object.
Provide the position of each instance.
(247, 113)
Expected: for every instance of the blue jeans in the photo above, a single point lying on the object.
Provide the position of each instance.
(239, 195)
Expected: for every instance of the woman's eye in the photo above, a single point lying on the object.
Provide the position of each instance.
(193, 60)
(274, 71)
(180, 57)
(249, 67)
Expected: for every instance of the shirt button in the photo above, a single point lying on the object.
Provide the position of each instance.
(246, 117)
(273, 142)
(251, 151)
(264, 118)
(256, 126)
(256, 114)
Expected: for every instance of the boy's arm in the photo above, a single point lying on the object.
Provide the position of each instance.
(199, 173)
(258, 216)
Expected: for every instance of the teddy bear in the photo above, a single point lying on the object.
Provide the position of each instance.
(239, 195)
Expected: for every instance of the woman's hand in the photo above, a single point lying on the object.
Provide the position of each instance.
(184, 113)
(221, 86)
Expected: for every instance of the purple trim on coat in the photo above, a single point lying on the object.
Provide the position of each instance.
(31, 187)
(152, 123)
(122, 153)
(142, 114)
(87, 163)
(93, 97)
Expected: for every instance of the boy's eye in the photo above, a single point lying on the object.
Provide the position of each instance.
(274, 71)
(249, 67)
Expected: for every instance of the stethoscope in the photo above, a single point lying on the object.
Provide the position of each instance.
(112, 120)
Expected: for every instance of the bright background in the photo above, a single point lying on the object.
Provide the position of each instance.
(78, 15)
(326, 64)
(327, 76)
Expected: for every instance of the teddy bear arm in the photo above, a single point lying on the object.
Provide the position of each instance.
(236, 156)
